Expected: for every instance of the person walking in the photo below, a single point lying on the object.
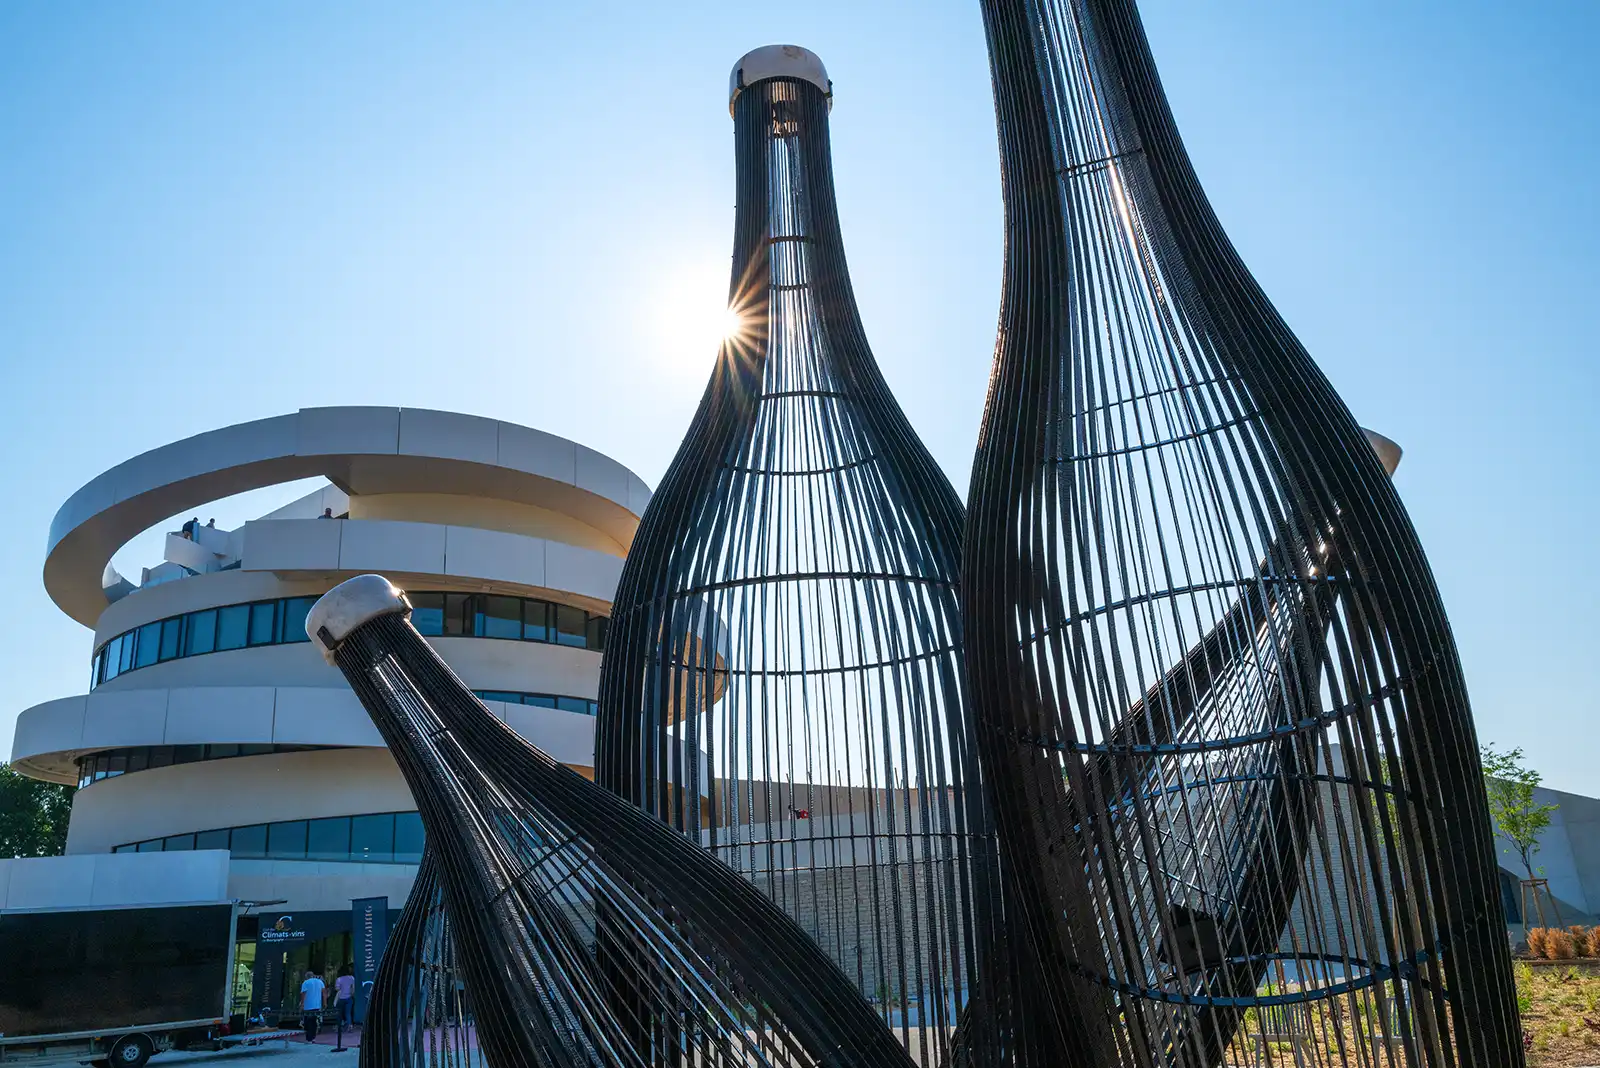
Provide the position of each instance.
(344, 990)
(311, 1005)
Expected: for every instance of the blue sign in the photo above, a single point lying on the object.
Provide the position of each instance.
(369, 935)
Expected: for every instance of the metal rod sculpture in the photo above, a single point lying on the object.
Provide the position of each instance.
(1218, 699)
(418, 1015)
(783, 678)
(587, 932)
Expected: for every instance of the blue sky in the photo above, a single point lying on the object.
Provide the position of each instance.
(213, 213)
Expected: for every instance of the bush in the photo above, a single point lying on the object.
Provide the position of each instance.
(1536, 942)
(1558, 945)
(1593, 948)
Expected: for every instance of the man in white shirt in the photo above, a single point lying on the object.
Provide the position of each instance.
(311, 1005)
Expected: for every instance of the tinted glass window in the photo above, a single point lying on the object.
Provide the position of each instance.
(218, 752)
(249, 842)
(597, 632)
(287, 841)
(292, 627)
(152, 846)
(407, 837)
(149, 645)
(233, 626)
(570, 624)
(188, 754)
(138, 760)
(372, 837)
(211, 840)
(539, 699)
(171, 631)
(262, 619)
(202, 635)
(575, 704)
(427, 613)
(179, 841)
(160, 756)
(329, 839)
(457, 617)
(499, 617)
(535, 621)
(125, 653)
(501, 695)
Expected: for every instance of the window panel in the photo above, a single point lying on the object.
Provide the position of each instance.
(597, 632)
(160, 756)
(152, 846)
(211, 839)
(535, 621)
(148, 646)
(263, 618)
(570, 623)
(249, 842)
(427, 613)
(457, 614)
(329, 839)
(123, 849)
(575, 704)
(177, 842)
(233, 626)
(372, 837)
(201, 636)
(138, 760)
(125, 652)
(286, 841)
(171, 631)
(255, 750)
(408, 838)
(292, 619)
(188, 754)
(498, 617)
(540, 700)
(221, 752)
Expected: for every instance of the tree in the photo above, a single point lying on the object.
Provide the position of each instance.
(33, 815)
(1517, 818)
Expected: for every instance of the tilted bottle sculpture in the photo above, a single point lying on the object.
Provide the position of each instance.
(533, 861)
(1217, 695)
(782, 678)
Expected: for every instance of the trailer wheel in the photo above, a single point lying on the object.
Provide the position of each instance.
(131, 1051)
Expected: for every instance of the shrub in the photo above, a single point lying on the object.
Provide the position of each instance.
(1536, 942)
(1558, 945)
(1593, 947)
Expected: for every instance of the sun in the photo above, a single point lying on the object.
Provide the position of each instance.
(690, 316)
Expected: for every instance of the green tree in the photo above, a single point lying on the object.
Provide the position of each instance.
(1517, 818)
(33, 815)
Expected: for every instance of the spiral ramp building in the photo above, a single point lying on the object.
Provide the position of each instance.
(209, 721)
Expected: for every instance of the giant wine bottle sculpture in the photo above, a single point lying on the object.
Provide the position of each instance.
(587, 933)
(1218, 698)
(783, 679)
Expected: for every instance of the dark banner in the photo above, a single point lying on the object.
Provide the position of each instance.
(369, 934)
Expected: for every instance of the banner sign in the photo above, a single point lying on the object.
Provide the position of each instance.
(369, 935)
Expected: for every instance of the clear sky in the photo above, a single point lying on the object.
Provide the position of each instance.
(218, 212)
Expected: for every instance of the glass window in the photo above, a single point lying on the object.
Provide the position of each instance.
(287, 841)
(499, 617)
(539, 700)
(535, 621)
(202, 633)
(501, 695)
(147, 645)
(138, 760)
(171, 631)
(372, 837)
(263, 617)
(427, 613)
(211, 839)
(570, 623)
(177, 842)
(457, 614)
(125, 652)
(255, 750)
(408, 837)
(122, 849)
(188, 754)
(597, 632)
(152, 846)
(221, 751)
(292, 620)
(97, 665)
(116, 764)
(249, 842)
(329, 839)
(575, 704)
(160, 756)
(233, 626)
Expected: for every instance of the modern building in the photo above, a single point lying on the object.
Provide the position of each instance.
(210, 722)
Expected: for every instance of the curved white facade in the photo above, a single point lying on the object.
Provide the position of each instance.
(211, 716)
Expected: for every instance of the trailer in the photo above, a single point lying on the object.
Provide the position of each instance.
(113, 986)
